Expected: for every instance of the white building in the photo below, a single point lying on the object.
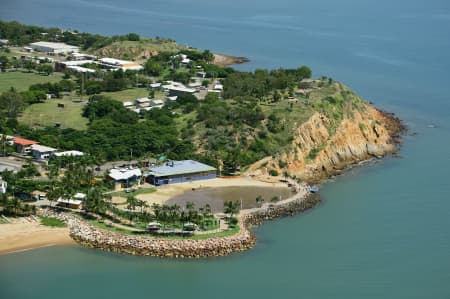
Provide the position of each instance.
(143, 102)
(69, 154)
(3, 186)
(56, 48)
(156, 103)
(124, 65)
(41, 152)
(125, 177)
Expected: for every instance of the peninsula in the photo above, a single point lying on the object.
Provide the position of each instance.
(99, 134)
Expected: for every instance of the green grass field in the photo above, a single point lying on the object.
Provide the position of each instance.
(127, 95)
(21, 81)
(48, 113)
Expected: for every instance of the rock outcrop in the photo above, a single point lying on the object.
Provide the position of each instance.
(316, 153)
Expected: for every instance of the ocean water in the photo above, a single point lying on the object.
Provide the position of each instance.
(382, 231)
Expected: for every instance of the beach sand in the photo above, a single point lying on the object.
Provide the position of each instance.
(23, 235)
(165, 193)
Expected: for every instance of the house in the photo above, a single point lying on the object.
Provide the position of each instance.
(80, 69)
(3, 186)
(81, 56)
(76, 202)
(23, 145)
(41, 152)
(156, 103)
(4, 42)
(218, 87)
(195, 85)
(177, 89)
(55, 48)
(125, 177)
(179, 171)
(143, 102)
(128, 105)
(69, 154)
(154, 86)
(201, 74)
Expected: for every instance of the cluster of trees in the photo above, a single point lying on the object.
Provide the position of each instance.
(174, 214)
(20, 34)
(13, 102)
(262, 83)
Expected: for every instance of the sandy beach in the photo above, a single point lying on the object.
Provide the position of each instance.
(23, 235)
(165, 193)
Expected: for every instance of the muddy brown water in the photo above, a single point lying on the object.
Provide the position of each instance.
(216, 196)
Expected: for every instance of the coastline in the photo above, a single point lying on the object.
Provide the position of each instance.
(90, 236)
(27, 236)
(22, 235)
(228, 60)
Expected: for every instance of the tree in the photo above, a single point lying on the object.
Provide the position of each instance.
(11, 102)
(208, 56)
(29, 65)
(231, 207)
(4, 63)
(45, 69)
(304, 72)
(132, 202)
(259, 200)
(133, 37)
(153, 68)
(95, 202)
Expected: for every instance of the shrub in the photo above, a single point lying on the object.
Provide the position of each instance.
(273, 172)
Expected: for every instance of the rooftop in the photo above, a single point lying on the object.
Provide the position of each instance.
(179, 167)
(69, 154)
(124, 173)
(53, 45)
(23, 141)
(70, 201)
(42, 148)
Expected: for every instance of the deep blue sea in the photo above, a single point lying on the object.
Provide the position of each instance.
(382, 231)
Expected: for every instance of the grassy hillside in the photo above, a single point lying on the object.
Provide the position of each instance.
(138, 50)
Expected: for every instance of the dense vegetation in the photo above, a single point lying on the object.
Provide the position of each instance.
(253, 118)
(20, 34)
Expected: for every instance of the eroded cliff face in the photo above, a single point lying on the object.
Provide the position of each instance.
(318, 152)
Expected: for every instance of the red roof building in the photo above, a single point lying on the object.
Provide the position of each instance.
(22, 143)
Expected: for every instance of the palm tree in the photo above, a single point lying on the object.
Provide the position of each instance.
(14, 205)
(132, 203)
(231, 207)
(95, 202)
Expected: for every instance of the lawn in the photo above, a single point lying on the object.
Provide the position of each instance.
(21, 81)
(53, 222)
(48, 113)
(127, 95)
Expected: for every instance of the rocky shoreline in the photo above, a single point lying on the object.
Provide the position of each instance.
(93, 237)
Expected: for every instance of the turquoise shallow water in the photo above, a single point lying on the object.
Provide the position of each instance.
(381, 231)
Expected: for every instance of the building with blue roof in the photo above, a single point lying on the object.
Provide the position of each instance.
(172, 172)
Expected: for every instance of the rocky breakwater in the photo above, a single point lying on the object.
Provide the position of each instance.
(290, 207)
(91, 236)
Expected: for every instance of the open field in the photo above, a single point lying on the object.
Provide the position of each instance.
(21, 81)
(48, 113)
(127, 95)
